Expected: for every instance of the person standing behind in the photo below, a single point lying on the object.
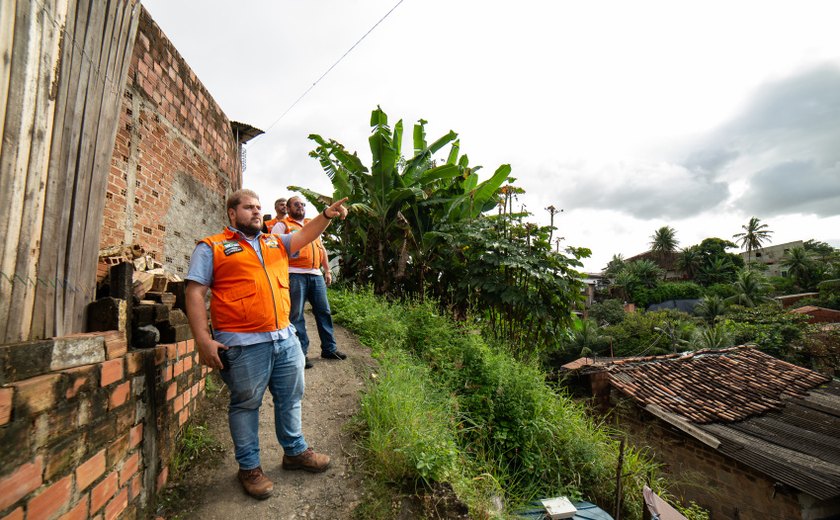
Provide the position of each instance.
(280, 210)
(247, 273)
(308, 283)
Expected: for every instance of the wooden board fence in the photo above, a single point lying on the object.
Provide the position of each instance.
(59, 110)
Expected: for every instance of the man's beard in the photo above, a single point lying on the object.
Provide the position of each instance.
(297, 216)
(249, 227)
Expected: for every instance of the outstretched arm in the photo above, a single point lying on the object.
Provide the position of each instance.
(317, 225)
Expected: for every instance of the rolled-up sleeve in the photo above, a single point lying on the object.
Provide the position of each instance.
(201, 265)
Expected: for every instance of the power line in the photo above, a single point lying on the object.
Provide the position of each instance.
(333, 66)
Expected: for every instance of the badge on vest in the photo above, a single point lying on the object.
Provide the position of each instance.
(231, 247)
(271, 242)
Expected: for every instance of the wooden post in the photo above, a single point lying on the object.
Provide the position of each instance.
(618, 490)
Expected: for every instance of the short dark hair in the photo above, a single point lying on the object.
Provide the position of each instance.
(278, 201)
(236, 197)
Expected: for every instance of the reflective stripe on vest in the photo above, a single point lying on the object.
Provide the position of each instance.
(247, 296)
(309, 256)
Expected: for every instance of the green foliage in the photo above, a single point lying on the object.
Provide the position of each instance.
(750, 289)
(651, 333)
(507, 274)
(712, 337)
(194, 442)
(512, 430)
(410, 434)
(710, 307)
(693, 511)
(608, 312)
(664, 240)
(768, 326)
(721, 290)
(675, 291)
(754, 235)
(716, 265)
(417, 228)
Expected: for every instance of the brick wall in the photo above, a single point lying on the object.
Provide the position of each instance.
(175, 159)
(727, 488)
(86, 428)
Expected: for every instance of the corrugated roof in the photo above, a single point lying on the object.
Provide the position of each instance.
(713, 385)
(778, 418)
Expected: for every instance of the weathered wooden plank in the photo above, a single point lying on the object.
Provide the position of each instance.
(7, 31)
(54, 228)
(48, 23)
(14, 156)
(116, 43)
(67, 167)
(74, 310)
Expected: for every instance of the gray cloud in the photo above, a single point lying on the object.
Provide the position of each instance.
(646, 191)
(784, 145)
(794, 187)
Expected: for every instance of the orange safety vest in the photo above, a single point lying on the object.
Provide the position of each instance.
(248, 296)
(309, 256)
(270, 224)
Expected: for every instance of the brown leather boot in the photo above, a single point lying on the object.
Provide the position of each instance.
(307, 461)
(256, 483)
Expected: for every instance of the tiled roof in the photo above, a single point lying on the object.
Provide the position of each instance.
(709, 386)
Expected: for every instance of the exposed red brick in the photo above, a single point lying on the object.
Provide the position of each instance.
(112, 371)
(79, 511)
(171, 391)
(134, 362)
(135, 436)
(80, 377)
(17, 514)
(103, 492)
(6, 404)
(21, 482)
(135, 486)
(119, 395)
(90, 470)
(36, 394)
(130, 467)
(117, 505)
(117, 450)
(163, 476)
(115, 344)
(50, 501)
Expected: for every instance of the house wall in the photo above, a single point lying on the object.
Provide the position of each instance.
(175, 160)
(87, 429)
(727, 488)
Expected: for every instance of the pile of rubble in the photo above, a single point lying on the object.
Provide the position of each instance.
(138, 296)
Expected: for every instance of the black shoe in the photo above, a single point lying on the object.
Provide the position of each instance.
(335, 354)
(307, 364)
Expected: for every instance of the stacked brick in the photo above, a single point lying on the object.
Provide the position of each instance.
(86, 428)
(175, 158)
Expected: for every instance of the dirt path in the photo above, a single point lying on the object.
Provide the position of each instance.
(332, 397)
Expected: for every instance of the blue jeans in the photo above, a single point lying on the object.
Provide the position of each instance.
(249, 370)
(311, 288)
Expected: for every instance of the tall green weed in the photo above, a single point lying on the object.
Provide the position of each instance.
(508, 426)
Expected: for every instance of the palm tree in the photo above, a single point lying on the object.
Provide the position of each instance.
(750, 289)
(800, 266)
(753, 236)
(646, 272)
(710, 307)
(715, 337)
(664, 241)
(690, 261)
(614, 266)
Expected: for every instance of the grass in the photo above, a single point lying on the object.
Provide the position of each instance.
(447, 407)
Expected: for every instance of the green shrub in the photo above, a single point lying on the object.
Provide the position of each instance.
(723, 290)
(512, 432)
(675, 291)
(608, 312)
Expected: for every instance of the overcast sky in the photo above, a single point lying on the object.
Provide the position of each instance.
(628, 115)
